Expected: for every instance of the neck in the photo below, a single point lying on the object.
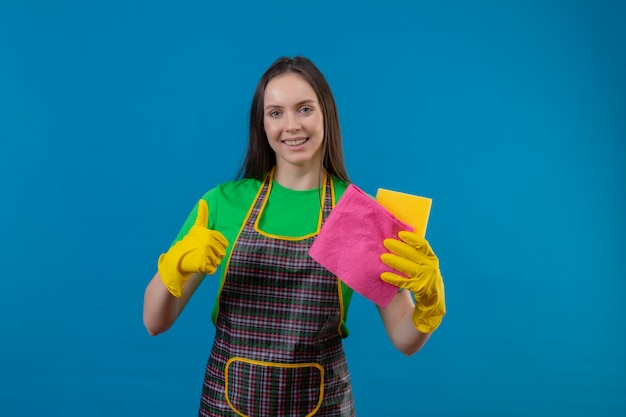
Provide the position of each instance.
(299, 179)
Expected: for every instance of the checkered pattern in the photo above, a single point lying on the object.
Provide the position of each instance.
(279, 307)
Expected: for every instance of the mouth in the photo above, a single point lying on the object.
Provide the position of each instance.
(295, 141)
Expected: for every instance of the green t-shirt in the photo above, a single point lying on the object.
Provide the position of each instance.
(288, 213)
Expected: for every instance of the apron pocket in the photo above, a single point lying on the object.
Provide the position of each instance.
(257, 388)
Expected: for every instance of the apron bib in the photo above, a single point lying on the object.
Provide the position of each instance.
(277, 349)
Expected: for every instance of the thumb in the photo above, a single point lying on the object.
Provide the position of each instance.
(202, 219)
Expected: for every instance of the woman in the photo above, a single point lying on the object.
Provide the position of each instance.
(280, 316)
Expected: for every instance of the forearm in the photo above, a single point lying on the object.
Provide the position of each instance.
(406, 338)
(160, 308)
(398, 320)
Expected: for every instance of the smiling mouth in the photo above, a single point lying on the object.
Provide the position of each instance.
(295, 142)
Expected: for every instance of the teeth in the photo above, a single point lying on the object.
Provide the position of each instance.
(295, 142)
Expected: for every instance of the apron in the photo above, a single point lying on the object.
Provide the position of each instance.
(277, 349)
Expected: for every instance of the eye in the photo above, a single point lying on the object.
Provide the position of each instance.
(274, 113)
(306, 109)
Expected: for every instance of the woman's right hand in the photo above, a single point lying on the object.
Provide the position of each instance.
(200, 251)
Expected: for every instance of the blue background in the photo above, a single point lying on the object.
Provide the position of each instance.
(116, 116)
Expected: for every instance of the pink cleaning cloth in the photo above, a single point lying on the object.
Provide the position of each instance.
(351, 241)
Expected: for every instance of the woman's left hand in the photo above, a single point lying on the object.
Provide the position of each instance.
(413, 257)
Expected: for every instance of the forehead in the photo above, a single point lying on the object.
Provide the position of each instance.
(288, 89)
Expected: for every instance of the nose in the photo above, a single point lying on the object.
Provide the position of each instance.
(292, 124)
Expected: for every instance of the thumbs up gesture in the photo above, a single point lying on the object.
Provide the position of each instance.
(200, 251)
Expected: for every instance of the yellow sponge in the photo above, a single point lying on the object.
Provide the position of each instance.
(411, 209)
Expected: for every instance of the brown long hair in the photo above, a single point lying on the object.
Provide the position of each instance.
(260, 157)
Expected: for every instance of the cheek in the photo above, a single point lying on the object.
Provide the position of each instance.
(270, 129)
(320, 126)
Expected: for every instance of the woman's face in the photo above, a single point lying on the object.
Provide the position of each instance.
(293, 122)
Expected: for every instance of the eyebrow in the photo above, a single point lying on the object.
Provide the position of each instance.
(300, 103)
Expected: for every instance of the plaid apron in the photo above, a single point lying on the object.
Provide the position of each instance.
(277, 349)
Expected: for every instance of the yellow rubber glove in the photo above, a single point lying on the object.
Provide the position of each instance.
(413, 257)
(201, 250)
